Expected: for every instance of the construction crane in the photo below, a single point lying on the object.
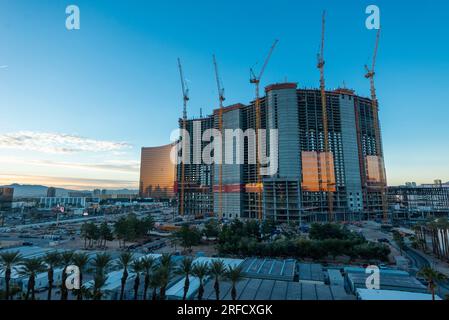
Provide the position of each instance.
(256, 81)
(370, 73)
(221, 98)
(185, 98)
(327, 153)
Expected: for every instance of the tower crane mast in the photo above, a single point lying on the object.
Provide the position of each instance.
(370, 74)
(256, 81)
(327, 153)
(221, 98)
(185, 98)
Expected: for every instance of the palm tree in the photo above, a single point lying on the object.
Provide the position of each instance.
(100, 280)
(8, 263)
(30, 268)
(200, 270)
(185, 269)
(123, 262)
(165, 271)
(164, 275)
(137, 268)
(234, 274)
(81, 260)
(52, 260)
(166, 260)
(66, 260)
(155, 282)
(100, 264)
(432, 277)
(147, 265)
(218, 271)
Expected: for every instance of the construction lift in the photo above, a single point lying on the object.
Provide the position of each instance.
(327, 153)
(185, 98)
(256, 81)
(221, 98)
(370, 73)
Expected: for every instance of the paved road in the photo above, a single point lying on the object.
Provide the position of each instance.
(420, 262)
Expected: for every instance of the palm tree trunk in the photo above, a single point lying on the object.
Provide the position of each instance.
(7, 281)
(136, 286)
(145, 286)
(122, 289)
(162, 292)
(31, 284)
(186, 287)
(79, 296)
(234, 292)
(201, 291)
(50, 283)
(217, 289)
(63, 287)
(154, 297)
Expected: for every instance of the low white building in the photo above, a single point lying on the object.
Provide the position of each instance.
(384, 295)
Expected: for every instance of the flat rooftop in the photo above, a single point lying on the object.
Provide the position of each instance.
(397, 283)
(312, 272)
(269, 269)
(366, 294)
(266, 289)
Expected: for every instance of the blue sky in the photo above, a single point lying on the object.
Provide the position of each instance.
(115, 82)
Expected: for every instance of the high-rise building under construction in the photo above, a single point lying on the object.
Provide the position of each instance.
(309, 183)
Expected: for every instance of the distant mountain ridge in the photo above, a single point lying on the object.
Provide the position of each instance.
(36, 191)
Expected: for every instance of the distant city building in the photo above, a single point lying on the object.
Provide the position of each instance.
(80, 194)
(6, 198)
(97, 193)
(69, 202)
(51, 192)
(352, 181)
(419, 202)
(410, 184)
(157, 173)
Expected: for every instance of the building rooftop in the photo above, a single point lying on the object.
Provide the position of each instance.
(387, 282)
(311, 272)
(366, 294)
(269, 269)
(266, 289)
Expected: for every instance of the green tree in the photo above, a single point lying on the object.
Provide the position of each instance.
(137, 268)
(187, 237)
(100, 280)
(101, 263)
(30, 268)
(66, 260)
(8, 263)
(432, 277)
(81, 260)
(399, 239)
(200, 270)
(147, 265)
(53, 260)
(217, 270)
(211, 229)
(235, 275)
(105, 234)
(267, 227)
(185, 270)
(123, 263)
